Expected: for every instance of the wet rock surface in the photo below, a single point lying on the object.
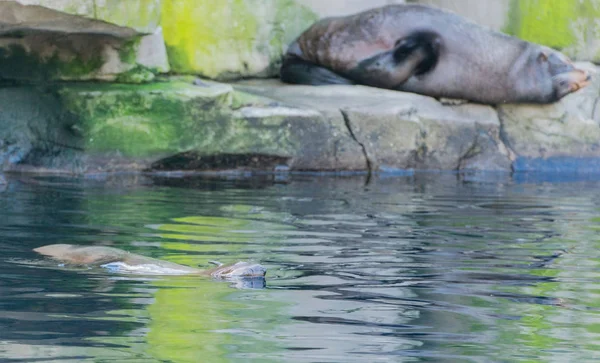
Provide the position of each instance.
(398, 131)
(34, 131)
(189, 124)
(563, 136)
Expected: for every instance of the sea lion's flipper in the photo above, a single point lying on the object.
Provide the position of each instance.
(216, 263)
(413, 55)
(422, 46)
(299, 71)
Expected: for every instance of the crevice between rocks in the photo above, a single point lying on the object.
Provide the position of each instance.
(469, 153)
(503, 138)
(369, 164)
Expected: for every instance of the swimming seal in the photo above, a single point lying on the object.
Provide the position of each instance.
(429, 51)
(117, 259)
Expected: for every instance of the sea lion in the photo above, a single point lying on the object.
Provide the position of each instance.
(120, 260)
(429, 51)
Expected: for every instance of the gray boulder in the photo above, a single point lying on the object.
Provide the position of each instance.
(399, 131)
(561, 136)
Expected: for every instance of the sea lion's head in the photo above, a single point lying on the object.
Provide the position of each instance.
(239, 269)
(244, 275)
(566, 78)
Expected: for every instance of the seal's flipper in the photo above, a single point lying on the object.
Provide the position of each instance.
(299, 71)
(413, 55)
(422, 46)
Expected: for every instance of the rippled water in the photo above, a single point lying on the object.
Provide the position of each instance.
(427, 268)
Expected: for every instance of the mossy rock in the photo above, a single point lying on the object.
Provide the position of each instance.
(51, 57)
(177, 124)
(231, 39)
(567, 25)
(145, 121)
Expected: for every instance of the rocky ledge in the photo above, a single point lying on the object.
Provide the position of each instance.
(187, 124)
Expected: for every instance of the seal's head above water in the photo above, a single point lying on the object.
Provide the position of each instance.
(239, 269)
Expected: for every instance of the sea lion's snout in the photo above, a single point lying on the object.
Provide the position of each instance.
(572, 81)
(579, 79)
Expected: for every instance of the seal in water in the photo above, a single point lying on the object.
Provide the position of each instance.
(120, 260)
(429, 51)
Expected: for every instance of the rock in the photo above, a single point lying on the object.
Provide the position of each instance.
(562, 136)
(122, 19)
(399, 131)
(183, 123)
(227, 40)
(44, 41)
(343, 7)
(313, 139)
(33, 130)
(144, 16)
(476, 10)
(180, 126)
(151, 52)
(570, 26)
(49, 57)
(126, 127)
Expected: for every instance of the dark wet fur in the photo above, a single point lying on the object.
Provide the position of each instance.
(427, 44)
(299, 71)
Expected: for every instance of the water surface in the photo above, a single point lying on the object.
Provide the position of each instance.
(424, 268)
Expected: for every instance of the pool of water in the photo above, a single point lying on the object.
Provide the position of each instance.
(422, 268)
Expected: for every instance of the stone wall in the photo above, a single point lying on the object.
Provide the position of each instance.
(568, 25)
(343, 7)
(227, 40)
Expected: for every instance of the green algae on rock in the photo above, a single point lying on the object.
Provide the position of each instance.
(232, 39)
(133, 127)
(144, 121)
(570, 26)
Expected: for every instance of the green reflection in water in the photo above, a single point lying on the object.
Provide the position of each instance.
(220, 235)
(195, 320)
(198, 319)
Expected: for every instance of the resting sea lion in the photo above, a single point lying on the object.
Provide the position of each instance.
(430, 51)
(114, 258)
